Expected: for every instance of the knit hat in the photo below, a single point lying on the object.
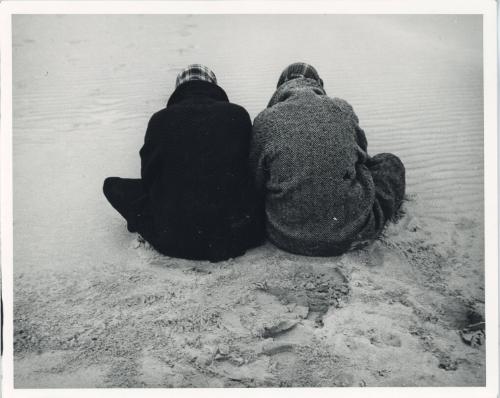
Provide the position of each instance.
(299, 69)
(195, 72)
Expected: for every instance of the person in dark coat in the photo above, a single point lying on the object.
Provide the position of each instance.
(195, 198)
(323, 193)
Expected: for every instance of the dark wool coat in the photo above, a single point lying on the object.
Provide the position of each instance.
(310, 160)
(200, 199)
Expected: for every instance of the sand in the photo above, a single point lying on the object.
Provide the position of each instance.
(96, 308)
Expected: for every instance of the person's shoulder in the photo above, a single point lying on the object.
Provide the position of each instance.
(236, 108)
(274, 110)
(229, 111)
(342, 104)
(265, 123)
(158, 115)
(346, 108)
(264, 116)
(170, 112)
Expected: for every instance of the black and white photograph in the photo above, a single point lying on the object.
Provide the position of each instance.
(248, 200)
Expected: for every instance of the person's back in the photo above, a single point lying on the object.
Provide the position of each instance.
(309, 156)
(199, 201)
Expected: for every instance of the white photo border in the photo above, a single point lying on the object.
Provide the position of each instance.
(486, 8)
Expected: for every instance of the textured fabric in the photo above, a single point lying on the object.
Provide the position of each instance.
(299, 69)
(128, 197)
(323, 193)
(195, 72)
(388, 175)
(195, 198)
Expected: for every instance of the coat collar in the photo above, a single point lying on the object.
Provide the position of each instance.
(197, 89)
(294, 87)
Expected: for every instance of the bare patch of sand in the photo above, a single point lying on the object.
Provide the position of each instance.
(382, 316)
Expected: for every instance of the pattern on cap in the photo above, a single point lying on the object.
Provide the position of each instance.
(195, 72)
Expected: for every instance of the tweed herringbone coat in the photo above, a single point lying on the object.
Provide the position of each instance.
(309, 158)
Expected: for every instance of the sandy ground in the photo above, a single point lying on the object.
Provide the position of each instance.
(95, 308)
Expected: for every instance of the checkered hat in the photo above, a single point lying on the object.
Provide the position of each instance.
(195, 72)
(299, 69)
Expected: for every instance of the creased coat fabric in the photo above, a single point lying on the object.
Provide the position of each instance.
(196, 198)
(310, 161)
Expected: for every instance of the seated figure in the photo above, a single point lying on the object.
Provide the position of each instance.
(323, 193)
(195, 198)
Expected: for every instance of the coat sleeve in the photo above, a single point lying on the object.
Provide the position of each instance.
(360, 137)
(360, 134)
(150, 153)
(258, 155)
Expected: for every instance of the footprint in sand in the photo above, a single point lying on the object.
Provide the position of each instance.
(384, 339)
(315, 289)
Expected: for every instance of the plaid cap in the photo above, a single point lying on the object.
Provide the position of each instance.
(195, 72)
(299, 69)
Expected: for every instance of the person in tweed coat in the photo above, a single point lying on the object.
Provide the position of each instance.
(324, 194)
(195, 198)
